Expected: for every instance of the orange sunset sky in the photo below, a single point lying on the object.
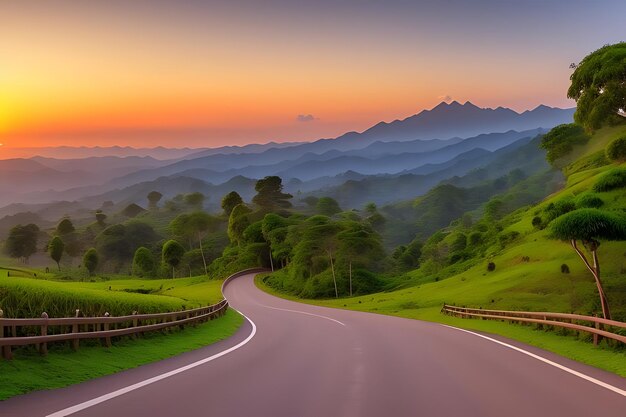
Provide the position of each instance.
(198, 74)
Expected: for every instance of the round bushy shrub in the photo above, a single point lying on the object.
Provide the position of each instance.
(589, 200)
(564, 269)
(616, 151)
(613, 179)
(491, 266)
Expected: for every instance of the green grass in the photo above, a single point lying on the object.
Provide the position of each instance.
(62, 367)
(28, 297)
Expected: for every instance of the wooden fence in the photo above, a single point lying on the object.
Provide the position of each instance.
(46, 330)
(596, 326)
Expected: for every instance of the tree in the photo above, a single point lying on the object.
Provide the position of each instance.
(100, 217)
(90, 260)
(153, 199)
(194, 200)
(22, 241)
(599, 86)
(327, 206)
(144, 263)
(616, 151)
(229, 202)
(133, 210)
(172, 254)
(238, 222)
(65, 227)
(590, 226)
(196, 224)
(270, 194)
(55, 249)
(560, 140)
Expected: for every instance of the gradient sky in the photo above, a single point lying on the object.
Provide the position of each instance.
(203, 73)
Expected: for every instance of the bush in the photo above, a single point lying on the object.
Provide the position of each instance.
(491, 267)
(589, 200)
(559, 141)
(564, 269)
(538, 223)
(613, 179)
(559, 208)
(616, 151)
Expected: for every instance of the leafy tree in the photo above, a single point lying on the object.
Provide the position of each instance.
(90, 260)
(270, 194)
(100, 217)
(590, 226)
(55, 250)
(238, 222)
(560, 141)
(229, 201)
(195, 225)
(22, 241)
(119, 242)
(133, 210)
(195, 200)
(144, 263)
(599, 86)
(327, 206)
(65, 227)
(153, 199)
(172, 254)
(616, 151)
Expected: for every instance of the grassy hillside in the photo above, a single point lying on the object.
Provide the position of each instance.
(527, 273)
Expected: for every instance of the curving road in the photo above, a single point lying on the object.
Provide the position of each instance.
(298, 360)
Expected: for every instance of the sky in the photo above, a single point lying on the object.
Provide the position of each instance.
(206, 74)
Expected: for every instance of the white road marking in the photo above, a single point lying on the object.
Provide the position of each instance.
(79, 407)
(303, 312)
(549, 362)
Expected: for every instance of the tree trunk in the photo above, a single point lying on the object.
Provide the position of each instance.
(350, 279)
(271, 261)
(58, 265)
(202, 253)
(173, 272)
(595, 271)
(332, 268)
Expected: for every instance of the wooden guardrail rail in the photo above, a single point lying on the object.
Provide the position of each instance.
(76, 328)
(597, 326)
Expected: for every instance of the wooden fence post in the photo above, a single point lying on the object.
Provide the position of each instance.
(6, 350)
(43, 347)
(107, 339)
(75, 329)
(596, 339)
(135, 323)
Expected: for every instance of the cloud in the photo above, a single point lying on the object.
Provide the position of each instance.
(445, 98)
(306, 118)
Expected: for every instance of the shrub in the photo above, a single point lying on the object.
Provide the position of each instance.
(564, 269)
(559, 208)
(559, 141)
(613, 179)
(476, 238)
(506, 238)
(538, 223)
(616, 151)
(589, 200)
(491, 267)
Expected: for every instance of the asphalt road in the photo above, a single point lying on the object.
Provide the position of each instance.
(299, 360)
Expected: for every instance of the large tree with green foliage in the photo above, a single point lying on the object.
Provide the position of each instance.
(22, 241)
(153, 199)
(589, 226)
(238, 222)
(195, 225)
(172, 254)
(195, 200)
(229, 201)
(144, 263)
(55, 250)
(91, 260)
(65, 227)
(599, 86)
(327, 206)
(270, 194)
(560, 140)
